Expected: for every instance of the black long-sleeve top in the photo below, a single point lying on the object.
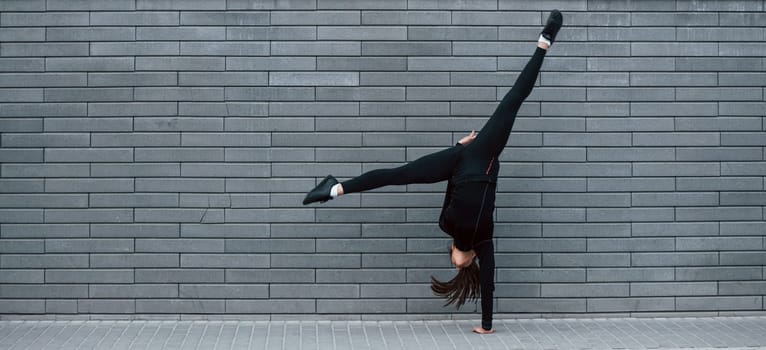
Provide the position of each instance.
(467, 217)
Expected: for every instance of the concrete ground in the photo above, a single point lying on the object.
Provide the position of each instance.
(742, 332)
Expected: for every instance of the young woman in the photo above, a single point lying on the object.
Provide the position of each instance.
(471, 166)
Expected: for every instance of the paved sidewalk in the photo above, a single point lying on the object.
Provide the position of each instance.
(575, 333)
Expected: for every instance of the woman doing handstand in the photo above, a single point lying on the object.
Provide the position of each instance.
(471, 166)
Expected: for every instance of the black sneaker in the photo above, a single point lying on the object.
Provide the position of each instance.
(552, 25)
(321, 193)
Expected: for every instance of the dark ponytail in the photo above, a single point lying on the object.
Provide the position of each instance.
(463, 286)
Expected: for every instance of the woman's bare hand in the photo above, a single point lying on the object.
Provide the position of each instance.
(467, 139)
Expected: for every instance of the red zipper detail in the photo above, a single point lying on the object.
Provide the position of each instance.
(490, 165)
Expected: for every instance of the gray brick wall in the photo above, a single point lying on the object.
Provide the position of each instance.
(155, 152)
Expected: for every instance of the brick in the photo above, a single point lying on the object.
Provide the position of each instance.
(88, 245)
(42, 79)
(186, 275)
(225, 261)
(399, 79)
(44, 230)
(674, 19)
(90, 34)
(49, 19)
(741, 228)
(718, 183)
(716, 243)
(90, 215)
(584, 290)
(451, 5)
(629, 214)
(674, 259)
(632, 34)
(178, 306)
(629, 124)
(406, 48)
(57, 261)
(631, 94)
(271, 63)
(44, 49)
(631, 64)
(223, 18)
(313, 109)
(595, 19)
(585, 260)
(89, 155)
(132, 79)
(673, 79)
(13, 246)
(566, 305)
(743, 138)
(748, 19)
(180, 63)
(585, 200)
(540, 275)
(22, 64)
(743, 168)
(178, 154)
(179, 245)
(134, 230)
(744, 5)
(155, 18)
(524, 33)
(43, 201)
(741, 108)
(317, 78)
(719, 64)
(583, 230)
(719, 303)
(285, 306)
(593, 49)
(132, 291)
(23, 5)
(134, 260)
(586, 169)
(180, 5)
(222, 78)
(318, 291)
(718, 213)
(22, 306)
(718, 273)
(88, 276)
(21, 155)
(724, 34)
(543, 5)
(406, 17)
(270, 275)
(584, 79)
(225, 48)
(21, 125)
(44, 170)
(270, 245)
(22, 276)
(676, 139)
(629, 304)
(43, 291)
(223, 291)
(362, 33)
(630, 154)
(361, 305)
(21, 185)
(741, 287)
(674, 199)
(269, 215)
(362, 4)
(134, 169)
(88, 94)
(742, 258)
(719, 153)
(42, 109)
(179, 215)
(631, 274)
(22, 34)
(135, 48)
(451, 64)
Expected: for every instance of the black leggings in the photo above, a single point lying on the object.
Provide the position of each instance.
(477, 156)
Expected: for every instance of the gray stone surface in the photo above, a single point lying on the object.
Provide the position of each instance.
(288, 332)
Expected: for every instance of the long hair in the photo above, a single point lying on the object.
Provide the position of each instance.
(465, 285)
